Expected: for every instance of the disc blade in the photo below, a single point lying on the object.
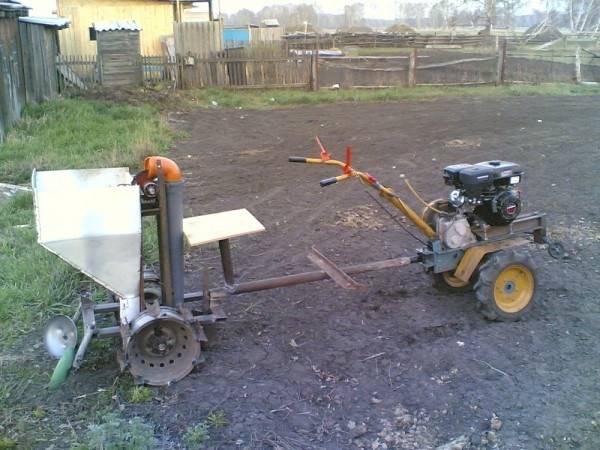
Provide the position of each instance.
(60, 334)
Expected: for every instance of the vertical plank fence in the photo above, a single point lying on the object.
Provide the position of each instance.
(199, 41)
(158, 69)
(254, 67)
(76, 71)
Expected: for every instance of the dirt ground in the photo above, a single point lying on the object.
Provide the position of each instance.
(401, 365)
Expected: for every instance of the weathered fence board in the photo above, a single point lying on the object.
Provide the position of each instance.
(76, 71)
(198, 38)
(370, 40)
(268, 66)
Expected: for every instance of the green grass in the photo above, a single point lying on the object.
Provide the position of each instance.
(140, 394)
(79, 133)
(35, 284)
(117, 433)
(273, 98)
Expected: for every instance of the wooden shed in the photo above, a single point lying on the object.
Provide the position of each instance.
(155, 17)
(39, 50)
(119, 57)
(12, 83)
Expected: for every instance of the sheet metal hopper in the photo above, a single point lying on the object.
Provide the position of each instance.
(91, 219)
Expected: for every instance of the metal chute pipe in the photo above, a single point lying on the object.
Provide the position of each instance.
(174, 191)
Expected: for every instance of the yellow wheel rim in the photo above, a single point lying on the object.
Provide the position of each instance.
(513, 289)
(453, 281)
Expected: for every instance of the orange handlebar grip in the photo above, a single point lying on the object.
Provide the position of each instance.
(171, 170)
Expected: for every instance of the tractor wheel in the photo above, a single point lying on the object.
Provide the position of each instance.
(506, 285)
(447, 282)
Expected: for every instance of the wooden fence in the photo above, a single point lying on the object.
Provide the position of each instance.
(260, 67)
(75, 71)
(198, 38)
(377, 40)
(459, 67)
(240, 70)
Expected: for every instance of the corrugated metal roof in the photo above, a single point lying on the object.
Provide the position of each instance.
(117, 25)
(57, 23)
(270, 22)
(12, 5)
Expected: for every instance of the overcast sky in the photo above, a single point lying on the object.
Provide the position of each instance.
(382, 9)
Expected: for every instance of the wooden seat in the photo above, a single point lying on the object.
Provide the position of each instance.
(220, 226)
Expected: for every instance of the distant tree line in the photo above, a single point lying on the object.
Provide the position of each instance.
(577, 15)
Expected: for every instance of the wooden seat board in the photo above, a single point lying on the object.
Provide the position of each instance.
(219, 226)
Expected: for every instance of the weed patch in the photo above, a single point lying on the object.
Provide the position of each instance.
(195, 437)
(117, 433)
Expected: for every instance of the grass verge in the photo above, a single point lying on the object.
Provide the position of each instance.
(59, 134)
(35, 284)
(77, 133)
(274, 98)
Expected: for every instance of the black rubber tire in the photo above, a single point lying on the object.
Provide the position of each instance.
(487, 273)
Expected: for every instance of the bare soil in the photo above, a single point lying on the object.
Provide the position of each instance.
(401, 365)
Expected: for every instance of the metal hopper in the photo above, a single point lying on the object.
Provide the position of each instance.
(92, 220)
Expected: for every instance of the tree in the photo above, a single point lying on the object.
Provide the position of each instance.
(584, 15)
(414, 11)
(354, 15)
(506, 11)
(444, 13)
(243, 17)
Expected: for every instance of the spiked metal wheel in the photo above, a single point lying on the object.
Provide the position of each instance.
(161, 349)
(506, 285)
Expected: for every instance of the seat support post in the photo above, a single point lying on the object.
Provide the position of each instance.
(227, 261)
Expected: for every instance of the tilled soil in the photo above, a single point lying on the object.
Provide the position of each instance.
(401, 365)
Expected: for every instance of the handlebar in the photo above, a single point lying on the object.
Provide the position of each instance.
(297, 159)
(328, 181)
(349, 172)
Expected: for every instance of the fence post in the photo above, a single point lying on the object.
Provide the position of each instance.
(501, 63)
(578, 65)
(314, 71)
(412, 68)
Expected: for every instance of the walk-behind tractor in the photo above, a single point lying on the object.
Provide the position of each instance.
(478, 238)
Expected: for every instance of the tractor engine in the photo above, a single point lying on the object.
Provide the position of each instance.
(486, 190)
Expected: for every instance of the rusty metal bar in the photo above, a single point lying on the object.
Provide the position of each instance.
(227, 262)
(205, 290)
(108, 332)
(300, 278)
(344, 280)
